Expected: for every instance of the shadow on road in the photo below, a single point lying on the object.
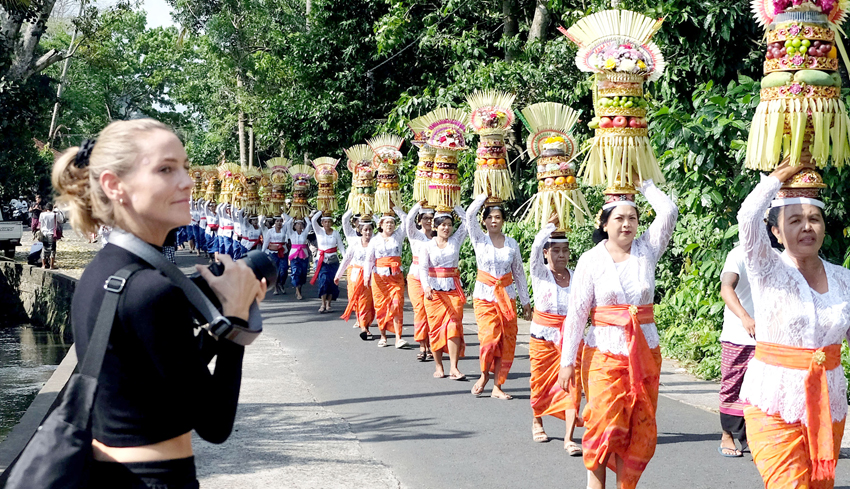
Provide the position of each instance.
(398, 428)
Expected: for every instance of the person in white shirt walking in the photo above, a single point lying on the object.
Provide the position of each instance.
(47, 224)
(738, 345)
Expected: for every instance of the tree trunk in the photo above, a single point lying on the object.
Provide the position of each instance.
(24, 62)
(540, 22)
(54, 120)
(307, 16)
(243, 157)
(251, 143)
(510, 29)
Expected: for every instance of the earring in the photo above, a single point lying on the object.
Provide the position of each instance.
(121, 201)
(779, 240)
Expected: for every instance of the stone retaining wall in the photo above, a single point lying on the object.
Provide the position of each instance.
(35, 296)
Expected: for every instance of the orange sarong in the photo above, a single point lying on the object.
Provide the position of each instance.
(781, 450)
(615, 421)
(359, 300)
(388, 294)
(622, 396)
(497, 326)
(445, 313)
(819, 425)
(547, 398)
(420, 317)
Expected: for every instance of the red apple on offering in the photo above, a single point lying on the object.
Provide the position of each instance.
(605, 123)
(620, 121)
(634, 122)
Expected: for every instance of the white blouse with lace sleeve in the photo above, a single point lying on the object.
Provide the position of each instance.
(788, 312)
(355, 255)
(431, 256)
(598, 281)
(347, 229)
(380, 247)
(548, 295)
(495, 261)
(416, 238)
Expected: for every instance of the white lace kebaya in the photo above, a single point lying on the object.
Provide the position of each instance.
(380, 247)
(431, 256)
(416, 238)
(598, 281)
(788, 312)
(495, 261)
(354, 255)
(548, 295)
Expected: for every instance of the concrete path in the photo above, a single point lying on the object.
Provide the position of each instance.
(321, 408)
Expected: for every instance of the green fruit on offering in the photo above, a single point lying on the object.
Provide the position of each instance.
(776, 79)
(814, 77)
(836, 79)
(788, 43)
(796, 43)
(790, 50)
(629, 105)
(805, 43)
(604, 101)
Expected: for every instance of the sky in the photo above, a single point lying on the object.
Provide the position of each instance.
(159, 13)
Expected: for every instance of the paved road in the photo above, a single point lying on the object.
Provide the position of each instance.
(433, 433)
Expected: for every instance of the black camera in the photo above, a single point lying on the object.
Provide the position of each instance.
(256, 260)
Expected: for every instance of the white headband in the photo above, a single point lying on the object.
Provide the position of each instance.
(796, 200)
(426, 211)
(559, 240)
(364, 223)
(328, 218)
(611, 205)
(442, 214)
(383, 218)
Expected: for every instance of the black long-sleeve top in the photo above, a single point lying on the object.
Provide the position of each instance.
(155, 383)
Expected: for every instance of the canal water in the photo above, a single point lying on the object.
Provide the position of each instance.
(28, 358)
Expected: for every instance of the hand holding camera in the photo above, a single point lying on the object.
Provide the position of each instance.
(237, 287)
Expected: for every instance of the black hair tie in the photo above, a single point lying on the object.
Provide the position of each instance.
(83, 154)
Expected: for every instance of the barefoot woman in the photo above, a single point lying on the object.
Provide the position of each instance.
(501, 277)
(359, 296)
(419, 233)
(444, 298)
(387, 279)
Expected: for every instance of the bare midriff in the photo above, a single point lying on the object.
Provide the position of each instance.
(175, 448)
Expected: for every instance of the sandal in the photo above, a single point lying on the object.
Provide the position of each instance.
(421, 356)
(429, 357)
(461, 378)
(477, 390)
(401, 344)
(364, 335)
(737, 453)
(538, 434)
(573, 449)
(382, 343)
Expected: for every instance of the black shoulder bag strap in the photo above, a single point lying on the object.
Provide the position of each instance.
(58, 454)
(217, 325)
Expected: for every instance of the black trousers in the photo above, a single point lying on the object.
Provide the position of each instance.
(734, 425)
(166, 474)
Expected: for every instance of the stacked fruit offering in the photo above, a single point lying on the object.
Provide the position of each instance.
(446, 137)
(426, 154)
(491, 117)
(326, 176)
(387, 158)
(301, 176)
(800, 107)
(553, 149)
(615, 45)
(361, 198)
(278, 176)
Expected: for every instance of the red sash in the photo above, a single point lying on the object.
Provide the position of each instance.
(319, 264)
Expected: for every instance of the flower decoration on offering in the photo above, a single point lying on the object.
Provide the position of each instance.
(277, 178)
(491, 116)
(301, 176)
(553, 149)
(387, 158)
(616, 46)
(426, 154)
(361, 198)
(251, 191)
(800, 108)
(326, 176)
(446, 129)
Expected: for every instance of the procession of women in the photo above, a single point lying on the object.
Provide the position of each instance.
(592, 329)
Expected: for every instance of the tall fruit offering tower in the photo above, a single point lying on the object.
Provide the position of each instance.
(361, 197)
(553, 150)
(491, 116)
(447, 138)
(426, 155)
(800, 108)
(301, 176)
(278, 176)
(387, 158)
(615, 45)
(326, 177)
